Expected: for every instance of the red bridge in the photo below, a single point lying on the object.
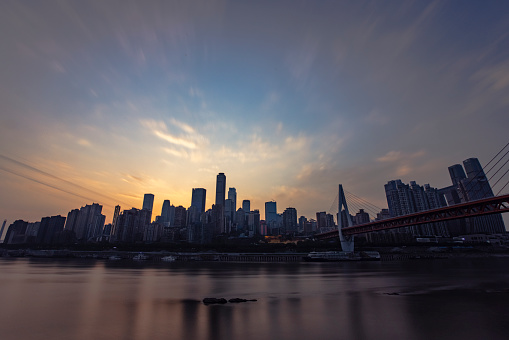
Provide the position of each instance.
(488, 206)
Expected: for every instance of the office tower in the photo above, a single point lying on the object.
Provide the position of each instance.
(148, 201)
(220, 189)
(290, 220)
(473, 186)
(302, 223)
(476, 185)
(228, 214)
(232, 195)
(270, 213)
(457, 174)
(240, 219)
(165, 213)
(198, 199)
(219, 206)
(321, 220)
(253, 222)
(246, 206)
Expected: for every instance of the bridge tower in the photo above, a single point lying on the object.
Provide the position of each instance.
(344, 220)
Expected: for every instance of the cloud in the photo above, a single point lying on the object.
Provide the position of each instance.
(191, 140)
(391, 156)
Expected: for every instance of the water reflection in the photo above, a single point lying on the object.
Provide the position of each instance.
(89, 299)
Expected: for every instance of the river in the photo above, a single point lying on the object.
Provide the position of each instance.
(94, 299)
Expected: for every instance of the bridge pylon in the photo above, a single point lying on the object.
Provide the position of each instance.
(344, 220)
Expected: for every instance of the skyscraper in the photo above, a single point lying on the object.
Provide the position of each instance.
(198, 199)
(165, 213)
(404, 199)
(232, 195)
(472, 186)
(246, 206)
(220, 189)
(219, 206)
(148, 202)
(290, 220)
(270, 213)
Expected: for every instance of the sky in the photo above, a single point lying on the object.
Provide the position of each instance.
(103, 101)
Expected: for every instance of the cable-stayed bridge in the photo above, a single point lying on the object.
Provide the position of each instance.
(476, 194)
(487, 206)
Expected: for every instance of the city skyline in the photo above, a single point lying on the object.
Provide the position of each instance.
(105, 103)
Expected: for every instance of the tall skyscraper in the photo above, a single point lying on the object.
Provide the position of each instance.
(232, 195)
(165, 213)
(457, 174)
(148, 201)
(472, 186)
(115, 215)
(220, 189)
(219, 206)
(198, 199)
(246, 206)
(270, 213)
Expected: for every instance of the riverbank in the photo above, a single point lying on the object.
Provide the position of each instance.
(386, 254)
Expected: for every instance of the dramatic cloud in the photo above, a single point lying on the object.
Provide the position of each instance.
(288, 99)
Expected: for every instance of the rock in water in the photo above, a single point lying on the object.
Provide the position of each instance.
(210, 301)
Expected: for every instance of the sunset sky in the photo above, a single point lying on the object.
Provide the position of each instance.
(103, 101)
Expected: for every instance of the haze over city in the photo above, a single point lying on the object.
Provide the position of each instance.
(103, 102)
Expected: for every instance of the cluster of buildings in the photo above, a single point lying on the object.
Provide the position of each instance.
(197, 225)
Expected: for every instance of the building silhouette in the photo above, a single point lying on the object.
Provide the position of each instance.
(246, 206)
(469, 183)
(198, 199)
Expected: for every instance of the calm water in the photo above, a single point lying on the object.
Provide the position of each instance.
(441, 299)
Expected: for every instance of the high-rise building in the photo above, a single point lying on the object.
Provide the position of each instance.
(198, 199)
(49, 229)
(472, 186)
(246, 206)
(270, 213)
(148, 201)
(16, 232)
(219, 206)
(165, 213)
(253, 222)
(232, 195)
(89, 222)
(404, 199)
(228, 214)
(361, 217)
(115, 215)
(220, 189)
(290, 220)
(180, 217)
(131, 226)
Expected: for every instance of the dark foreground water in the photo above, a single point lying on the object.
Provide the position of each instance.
(440, 299)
